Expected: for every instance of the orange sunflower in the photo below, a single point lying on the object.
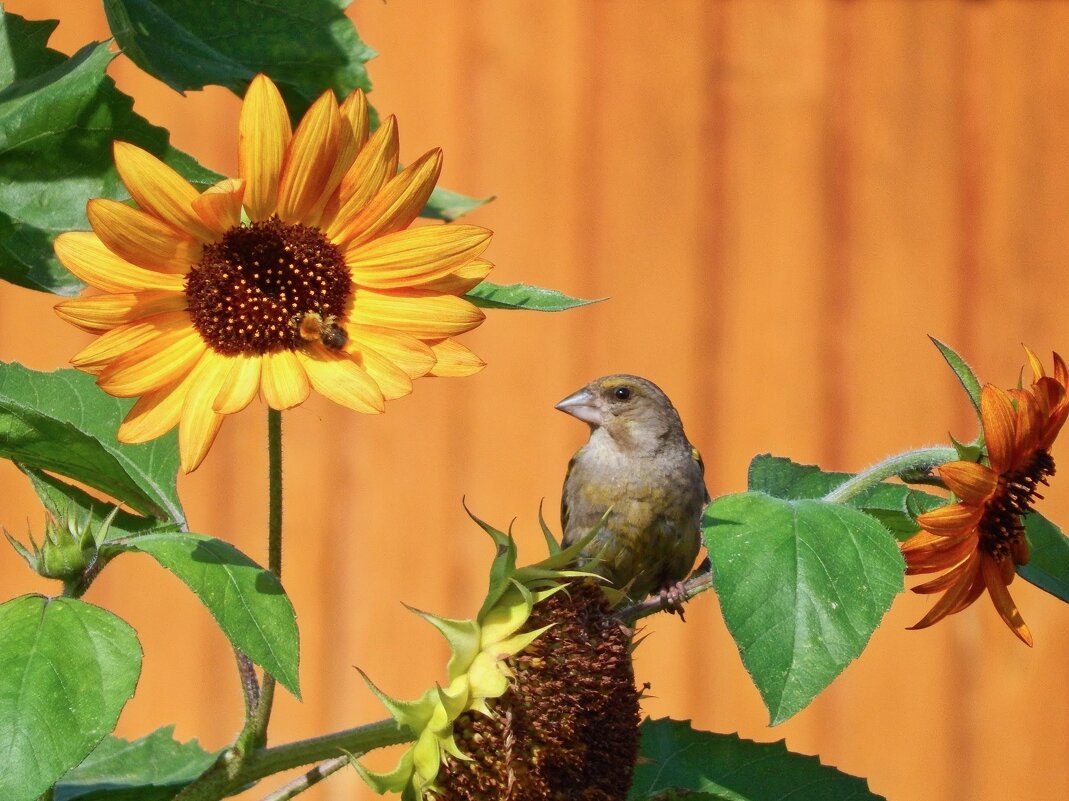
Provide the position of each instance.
(980, 539)
(321, 285)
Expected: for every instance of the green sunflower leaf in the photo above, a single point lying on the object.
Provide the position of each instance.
(67, 669)
(677, 761)
(447, 205)
(802, 586)
(58, 117)
(63, 423)
(963, 371)
(304, 47)
(246, 600)
(1048, 568)
(523, 296)
(151, 768)
(896, 506)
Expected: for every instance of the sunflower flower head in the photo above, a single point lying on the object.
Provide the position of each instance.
(979, 540)
(69, 545)
(303, 274)
(540, 699)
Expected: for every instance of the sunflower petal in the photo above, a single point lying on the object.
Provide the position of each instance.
(159, 190)
(310, 158)
(463, 280)
(85, 255)
(336, 377)
(283, 380)
(264, 133)
(200, 422)
(104, 312)
(939, 556)
(426, 315)
(219, 207)
(415, 256)
(1000, 597)
(454, 360)
(996, 410)
(392, 380)
(155, 412)
(152, 364)
(957, 591)
(396, 205)
(942, 582)
(410, 354)
(375, 164)
(354, 130)
(241, 384)
(117, 342)
(973, 483)
(1028, 428)
(140, 238)
(952, 519)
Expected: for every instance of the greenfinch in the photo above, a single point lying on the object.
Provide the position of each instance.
(639, 466)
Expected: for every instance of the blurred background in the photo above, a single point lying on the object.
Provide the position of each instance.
(782, 201)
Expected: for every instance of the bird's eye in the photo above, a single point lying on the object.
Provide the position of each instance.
(621, 393)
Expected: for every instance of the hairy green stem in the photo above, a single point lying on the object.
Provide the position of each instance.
(920, 460)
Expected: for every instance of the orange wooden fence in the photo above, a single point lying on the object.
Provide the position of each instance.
(782, 201)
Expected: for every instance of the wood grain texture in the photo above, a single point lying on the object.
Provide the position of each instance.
(782, 200)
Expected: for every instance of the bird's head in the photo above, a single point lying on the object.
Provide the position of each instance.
(628, 408)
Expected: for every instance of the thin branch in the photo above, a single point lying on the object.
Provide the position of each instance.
(308, 779)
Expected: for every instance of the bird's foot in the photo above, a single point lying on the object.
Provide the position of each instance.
(673, 597)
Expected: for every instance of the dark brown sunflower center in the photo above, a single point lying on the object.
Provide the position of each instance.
(567, 728)
(251, 291)
(1001, 529)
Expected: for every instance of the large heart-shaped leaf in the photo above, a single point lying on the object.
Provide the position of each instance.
(246, 601)
(673, 756)
(66, 670)
(62, 422)
(802, 586)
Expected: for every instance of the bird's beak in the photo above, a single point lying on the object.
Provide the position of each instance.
(583, 405)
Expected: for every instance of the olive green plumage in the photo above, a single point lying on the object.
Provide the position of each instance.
(639, 462)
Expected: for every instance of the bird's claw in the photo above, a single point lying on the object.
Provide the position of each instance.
(672, 599)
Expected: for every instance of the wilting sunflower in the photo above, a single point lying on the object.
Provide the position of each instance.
(320, 285)
(980, 539)
(540, 702)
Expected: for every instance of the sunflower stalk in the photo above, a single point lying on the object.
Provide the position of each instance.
(916, 461)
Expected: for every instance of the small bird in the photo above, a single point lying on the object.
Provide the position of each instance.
(638, 463)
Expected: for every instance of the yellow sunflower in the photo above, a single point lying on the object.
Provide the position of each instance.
(980, 539)
(322, 285)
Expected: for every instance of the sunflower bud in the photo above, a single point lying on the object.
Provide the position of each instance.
(70, 545)
(540, 701)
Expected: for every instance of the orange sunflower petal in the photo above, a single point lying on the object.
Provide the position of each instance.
(392, 380)
(375, 164)
(396, 205)
(103, 312)
(425, 315)
(952, 519)
(410, 354)
(86, 256)
(152, 364)
(944, 581)
(200, 422)
(454, 360)
(973, 483)
(1035, 363)
(264, 133)
(1000, 597)
(939, 557)
(310, 159)
(336, 377)
(960, 589)
(1061, 373)
(283, 380)
(241, 384)
(415, 256)
(1028, 428)
(219, 207)
(142, 239)
(998, 415)
(354, 131)
(159, 190)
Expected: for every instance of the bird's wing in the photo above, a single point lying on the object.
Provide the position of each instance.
(565, 539)
(696, 456)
